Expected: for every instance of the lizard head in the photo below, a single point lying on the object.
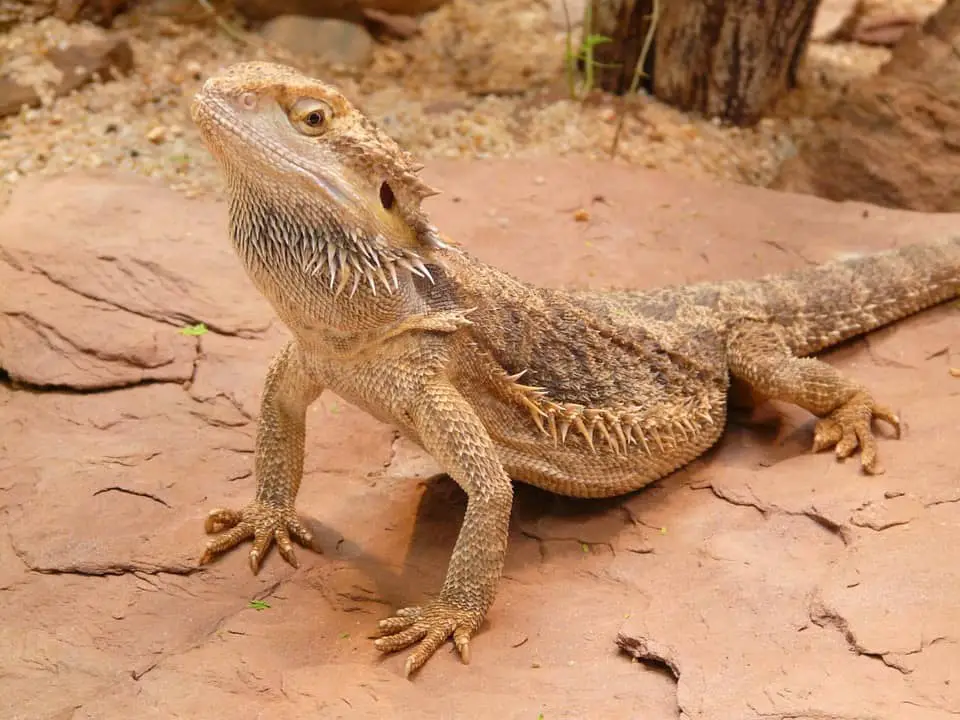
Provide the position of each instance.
(300, 150)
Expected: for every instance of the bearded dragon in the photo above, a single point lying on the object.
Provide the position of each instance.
(585, 394)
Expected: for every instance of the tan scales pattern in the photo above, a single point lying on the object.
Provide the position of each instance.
(620, 430)
(581, 393)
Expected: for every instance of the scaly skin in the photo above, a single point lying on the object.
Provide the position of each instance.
(583, 394)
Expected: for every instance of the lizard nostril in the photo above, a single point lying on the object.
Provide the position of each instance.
(387, 198)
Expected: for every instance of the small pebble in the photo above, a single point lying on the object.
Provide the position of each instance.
(157, 134)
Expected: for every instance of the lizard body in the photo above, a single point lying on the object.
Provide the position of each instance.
(581, 393)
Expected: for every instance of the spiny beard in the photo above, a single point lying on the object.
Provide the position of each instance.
(309, 240)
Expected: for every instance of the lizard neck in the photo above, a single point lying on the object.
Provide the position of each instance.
(323, 279)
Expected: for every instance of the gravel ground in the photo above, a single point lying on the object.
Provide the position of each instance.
(480, 80)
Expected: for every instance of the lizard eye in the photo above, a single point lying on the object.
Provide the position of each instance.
(310, 116)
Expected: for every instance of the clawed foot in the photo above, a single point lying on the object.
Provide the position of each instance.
(264, 523)
(430, 626)
(849, 427)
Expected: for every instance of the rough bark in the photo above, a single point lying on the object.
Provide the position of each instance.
(730, 59)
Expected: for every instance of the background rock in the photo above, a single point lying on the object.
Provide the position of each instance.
(345, 9)
(894, 139)
(77, 65)
(336, 41)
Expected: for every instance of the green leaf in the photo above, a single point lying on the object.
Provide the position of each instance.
(344, 635)
(594, 40)
(198, 329)
(259, 605)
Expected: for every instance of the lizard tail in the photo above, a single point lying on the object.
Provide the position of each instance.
(825, 305)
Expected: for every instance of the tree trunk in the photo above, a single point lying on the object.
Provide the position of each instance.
(730, 59)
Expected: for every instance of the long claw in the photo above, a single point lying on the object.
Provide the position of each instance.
(225, 541)
(260, 521)
(849, 427)
(429, 626)
(881, 412)
(285, 547)
(461, 638)
(428, 646)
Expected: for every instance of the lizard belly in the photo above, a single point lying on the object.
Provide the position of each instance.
(605, 457)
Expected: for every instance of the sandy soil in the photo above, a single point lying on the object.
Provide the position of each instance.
(481, 80)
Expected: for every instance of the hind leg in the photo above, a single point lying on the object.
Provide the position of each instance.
(758, 355)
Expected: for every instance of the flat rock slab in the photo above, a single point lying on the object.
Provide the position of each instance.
(760, 582)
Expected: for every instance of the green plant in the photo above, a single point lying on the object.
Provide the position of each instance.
(584, 52)
(194, 330)
(259, 605)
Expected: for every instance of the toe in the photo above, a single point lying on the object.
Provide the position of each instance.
(849, 427)
(848, 443)
(884, 413)
(461, 638)
(232, 537)
(395, 624)
(430, 626)
(299, 531)
(402, 639)
(286, 547)
(437, 635)
(868, 452)
(220, 519)
(826, 434)
(261, 542)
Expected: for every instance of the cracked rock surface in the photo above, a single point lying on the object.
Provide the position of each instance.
(760, 582)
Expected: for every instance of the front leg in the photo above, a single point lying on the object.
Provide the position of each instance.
(450, 430)
(287, 393)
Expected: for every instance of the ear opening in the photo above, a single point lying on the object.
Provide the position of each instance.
(387, 198)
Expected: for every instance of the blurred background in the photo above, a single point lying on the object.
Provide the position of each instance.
(846, 99)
